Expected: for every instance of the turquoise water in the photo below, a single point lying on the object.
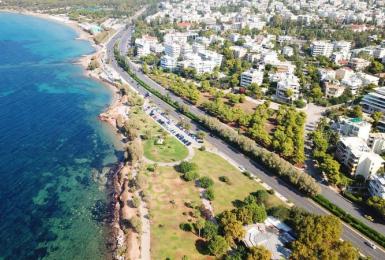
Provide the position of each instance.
(53, 149)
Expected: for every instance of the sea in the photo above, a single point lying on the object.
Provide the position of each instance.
(54, 152)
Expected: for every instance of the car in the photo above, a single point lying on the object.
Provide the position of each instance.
(370, 244)
(243, 169)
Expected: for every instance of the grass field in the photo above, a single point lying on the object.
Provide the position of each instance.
(168, 194)
(172, 150)
(167, 239)
(214, 166)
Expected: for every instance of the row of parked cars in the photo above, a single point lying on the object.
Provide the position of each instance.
(178, 131)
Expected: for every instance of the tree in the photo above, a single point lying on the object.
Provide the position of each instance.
(200, 224)
(190, 176)
(331, 168)
(376, 116)
(210, 194)
(185, 167)
(319, 238)
(206, 182)
(258, 253)
(356, 112)
(316, 92)
(210, 230)
(378, 204)
(217, 246)
(376, 67)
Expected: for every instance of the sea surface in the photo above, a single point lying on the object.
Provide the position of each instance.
(53, 150)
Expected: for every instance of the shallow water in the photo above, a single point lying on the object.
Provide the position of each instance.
(50, 143)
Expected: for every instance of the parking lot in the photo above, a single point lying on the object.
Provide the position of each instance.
(184, 136)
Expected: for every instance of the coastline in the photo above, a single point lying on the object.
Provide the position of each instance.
(116, 108)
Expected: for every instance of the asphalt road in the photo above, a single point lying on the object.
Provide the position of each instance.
(277, 184)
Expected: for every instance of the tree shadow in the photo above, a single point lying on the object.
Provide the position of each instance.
(201, 246)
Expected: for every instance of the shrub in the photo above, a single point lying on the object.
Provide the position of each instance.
(261, 196)
(210, 194)
(279, 212)
(217, 246)
(186, 227)
(206, 182)
(210, 230)
(184, 167)
(135, 201)
(224, 179)
(190, 176)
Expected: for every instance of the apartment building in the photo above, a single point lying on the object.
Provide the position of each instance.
(358, 158)
(251, 76)
(377, 186)
(323, 48)
(354, 127)
(168, 62)
(172, 49)
(376, 142)
(375, 101)
(288, 88)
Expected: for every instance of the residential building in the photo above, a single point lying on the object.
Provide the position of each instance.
(353, 153)
(288, 88)
(172, 49)
(355, 127)
(375, 101)
(376, 142)
(251, 76)
(377, 186)
(168, 62)
(333, 89)
(287, 51)
(323, 48)
(358, 64)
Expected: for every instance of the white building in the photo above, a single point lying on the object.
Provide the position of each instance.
(323, 48)
(212, 56)
(377, 186)
(354, 127)
(357, 157)
(288, 88)
(168, 62)
(172, 49)
(376, 142)
(375, 101)
(287, 51)
(251, 76)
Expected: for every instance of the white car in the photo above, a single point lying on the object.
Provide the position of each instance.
(242, 168)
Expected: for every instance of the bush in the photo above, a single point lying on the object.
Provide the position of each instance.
(261, 196)
(210, 194)
(217, 246)
(279, 212)
(190, 176)
(135, 201)
(186, 227)
(184, 167)
(300, 103)
(206, 182)
(210, 230)
(224, 179)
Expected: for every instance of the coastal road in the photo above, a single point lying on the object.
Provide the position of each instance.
(235, 154)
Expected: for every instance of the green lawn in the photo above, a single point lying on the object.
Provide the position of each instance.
(170, 151)
(167, 239)
(214, 166)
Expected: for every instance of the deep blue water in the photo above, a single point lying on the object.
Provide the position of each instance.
(51, 144)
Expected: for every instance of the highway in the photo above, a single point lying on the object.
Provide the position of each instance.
(235, 154)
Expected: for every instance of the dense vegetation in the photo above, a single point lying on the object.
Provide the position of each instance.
(90, 8)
